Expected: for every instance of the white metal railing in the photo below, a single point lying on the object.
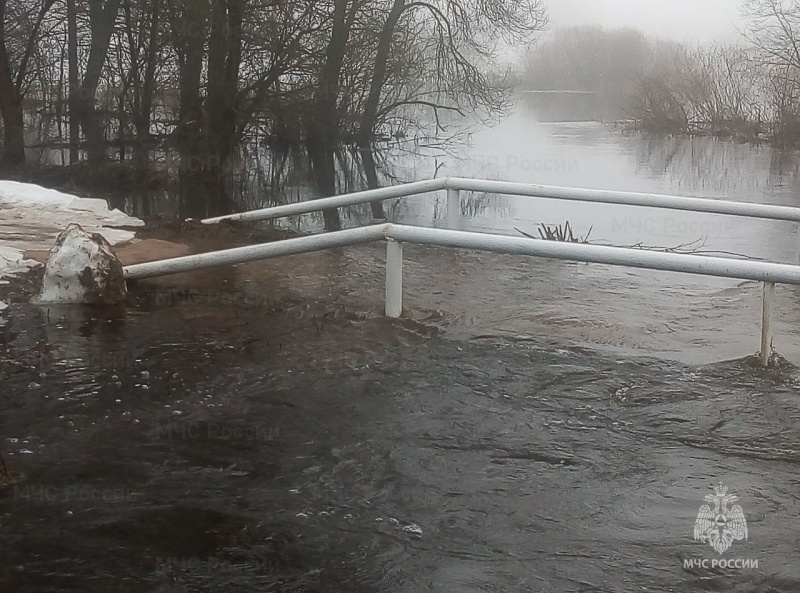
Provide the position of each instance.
(396, 235)
(455, 185)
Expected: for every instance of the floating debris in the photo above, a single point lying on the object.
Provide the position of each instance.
(413, 529)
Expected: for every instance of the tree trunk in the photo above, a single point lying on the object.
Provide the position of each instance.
(220, 113)
(144, 114)
(11, 86)
(323, 135)
(102, 15)
(74, 83)
(191, 42)
(321, 154)
(190, 36)
(10, 105)
(210, 134)
(370, 114)
(13, 131)
(368, 160)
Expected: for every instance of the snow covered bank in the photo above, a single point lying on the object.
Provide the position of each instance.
(31, 217)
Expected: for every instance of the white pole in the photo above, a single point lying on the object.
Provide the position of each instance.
(797, 251)
(766, 323)
(615, 256)
(240, 255)
(722, 267)
(453, 208)
(600, 196)
(394, 278)
(360, 197)
(747, 209)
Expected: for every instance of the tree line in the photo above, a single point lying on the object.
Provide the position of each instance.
(748, 89)
(102, 80)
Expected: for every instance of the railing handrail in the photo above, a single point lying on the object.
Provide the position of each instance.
(649, 200)
(620, 256)
(455, 184)
(396, 235)
(240, 255)
(360, 197)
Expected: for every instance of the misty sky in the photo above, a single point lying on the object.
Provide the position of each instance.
(685, 20)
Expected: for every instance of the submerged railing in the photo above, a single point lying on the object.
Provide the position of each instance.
(768, 273)
(396, 235)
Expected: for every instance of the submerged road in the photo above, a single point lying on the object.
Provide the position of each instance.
(217, 443)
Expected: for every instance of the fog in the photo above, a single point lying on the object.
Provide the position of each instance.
(684, 20)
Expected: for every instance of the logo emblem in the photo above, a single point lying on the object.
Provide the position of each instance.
(720, 526)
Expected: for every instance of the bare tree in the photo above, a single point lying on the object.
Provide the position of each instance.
(142, 33)
(773, 27)
(102, 17)
(13, 74)
(220, 79)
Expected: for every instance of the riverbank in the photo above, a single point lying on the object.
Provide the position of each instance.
(33, 216)
(109, 177)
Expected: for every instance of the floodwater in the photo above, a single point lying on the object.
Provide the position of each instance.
(527, 426)
(693, 319)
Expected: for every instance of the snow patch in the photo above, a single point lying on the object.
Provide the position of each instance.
(31, 217)
(12, 261)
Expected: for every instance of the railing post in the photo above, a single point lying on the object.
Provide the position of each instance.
(453, 208)
(394, 278)
(768, 306)
(797, 250)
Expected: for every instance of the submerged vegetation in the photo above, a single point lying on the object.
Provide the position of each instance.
(556, 232)
(564, 234)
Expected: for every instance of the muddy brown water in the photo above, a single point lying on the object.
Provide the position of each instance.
(527, 426)
(233, 440)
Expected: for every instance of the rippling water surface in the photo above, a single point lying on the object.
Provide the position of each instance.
(194, 448)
